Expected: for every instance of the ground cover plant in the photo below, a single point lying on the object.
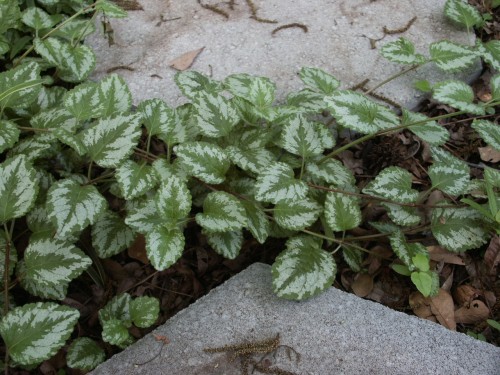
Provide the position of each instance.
(106, 209)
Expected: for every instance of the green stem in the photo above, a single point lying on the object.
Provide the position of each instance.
(393, 77)
(89, 172)
(169, 153)
(302, 168)
(6, 270)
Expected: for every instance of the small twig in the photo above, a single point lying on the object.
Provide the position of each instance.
(120, 67)
(400, 30)
(290, 25)
(214, 9)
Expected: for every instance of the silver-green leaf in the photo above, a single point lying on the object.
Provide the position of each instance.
(462, 13)
(402, 215)
(319, 80)
(222, 212)
(257, 90)
(227, 244)
(135, 180)
(214, 115)
(452, 57)
(9, 135)
(114, 96)
(300, 136)
(144, 311)
(173, 201)
(258, 223)
(277, 184)
(489, 131)
(83, 101)
(342, 212)
(448, 173)
(402, 51)
(84, 354)
(110, 235)
(429, 131)
(458, 95)
(406, 251)
(164, 247)
(393, 183)
(297, 214)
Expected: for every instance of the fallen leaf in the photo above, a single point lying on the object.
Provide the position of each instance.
(362, 285)
(464, 295)
(440, 254)
(489, 154)
(162, 338)
(420, 306)
(138, 249)
(443, 308)
(185, 60)
(492, 255)
(475, 313)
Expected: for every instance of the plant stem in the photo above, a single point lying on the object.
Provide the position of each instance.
(6, 270)
(393, 77)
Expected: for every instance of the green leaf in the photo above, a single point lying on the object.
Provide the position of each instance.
(110, 141)
(20, 86)
(115, 332)
(318, 80)
(84, 354)
(114, 96)
(421, 261)
(57, 292)
(462, 13)
(164, 247)
(34, 147)
(423, 281)
(222, 212)
(192, 83)
(331, 172)
(356, 112)
(144, 311)
(406, 251)
(353, 257)
(50, 262)
(393, 183)
(75, 29)
(55, 118)
(493, 323)
(458, 229)
(250, 159)
(72, 207)
(75, 63)
(173, 201)
(424, 86)
(489, 131)
(492, 176)
(71, 140)
(227, 244)
(83, 102)
(495, 87)
(9, 134)
(342, 211)
(110, 235)
(402, 270)
(430, 131)
(458, 95)
(309, 101)
(110, 9)
(36, 331)
(277, 184)
(402, 51)
(143, 217)
(134, 179)
(214, 115)
(18, 188)
(452, 57)
(257, 221)
(10, 15)
(38, 19)
(118, 308)
(257, 90)
(448, 173)
(490, 52)
(204, 160)
(297, 214)
(300, 137)
(402, 215)
(303, 270)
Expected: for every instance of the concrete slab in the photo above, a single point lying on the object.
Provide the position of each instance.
(337, 40)
(335, 333)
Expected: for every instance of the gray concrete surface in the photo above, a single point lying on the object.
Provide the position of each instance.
(337, 41)
(335, 333)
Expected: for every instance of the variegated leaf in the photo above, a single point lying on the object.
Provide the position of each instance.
(110, 9)
(462, 13)
(342, 211)
(257, 221)
(143, 217)
(44, 328)
(83, 102)
(110, 141)
(303, 270)
(406, 251)
(250, 159)
(10, 15)
(50, 262)
(72, 207)
(71, 140)
(355, 111)
(20, 86)
(164, 247)
(452, 57)
(9, 135)
(490, 52)
(110, 235)
(429, 131)
(74, 29)
(448, 173)
(495, 87)
(38, 19)
(257, 90)
(300, 137)
(402, 215)
(458, 229)
(214, 115)
(57, 291)
(134, 179)
(18, 188)
(353, 257)
(277, 184)
(227, 244)
(55, 118)
(84, 354)
(115, 332)
(297, 214)
(489, 131)
(319, 80)
(144, 311)
(222, 212)
(393, 183)
(114, 96)
(308, 101)
(173, 201)
(117, 308)
(164, 170)
(331, 172)
(402, 51)
(192, 83)
(204, 160)
(458, 95)
(34, 147)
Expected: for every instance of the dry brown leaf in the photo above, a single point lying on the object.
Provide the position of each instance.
(489, 154)
(362, 285)
(440, 254)
(138, 249)
(477, 312)
(420, 305)
(185, 60)
(443, 308)
(492, 255)
(464, 295)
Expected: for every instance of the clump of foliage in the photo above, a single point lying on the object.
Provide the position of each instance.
(234, 163)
